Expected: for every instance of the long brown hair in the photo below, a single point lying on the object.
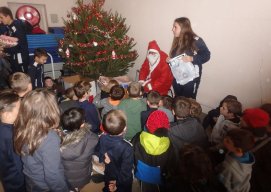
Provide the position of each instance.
(38, 114)
(186, 40)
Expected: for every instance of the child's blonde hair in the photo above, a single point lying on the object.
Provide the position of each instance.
(110, 84)
(134, 89)
(114, 122)
(38, 114)
(167, 102)
(181, 107)
(19, 82)
(195, 110)
(69, 93)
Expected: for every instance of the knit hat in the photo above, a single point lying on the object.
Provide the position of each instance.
(154, 46)
(256, 118)
(157, 119)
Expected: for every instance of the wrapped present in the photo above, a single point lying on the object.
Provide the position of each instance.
(69, 81)
(122, 80)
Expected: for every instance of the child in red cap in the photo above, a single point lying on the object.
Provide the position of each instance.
(153, 153)
(256, 121)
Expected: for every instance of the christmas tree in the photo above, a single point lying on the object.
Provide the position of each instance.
(95, 42)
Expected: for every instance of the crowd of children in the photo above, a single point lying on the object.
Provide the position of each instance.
(47, 142)
(48, 145)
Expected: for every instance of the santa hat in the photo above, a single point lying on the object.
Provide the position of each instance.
(157, 119)
(256, 118)
(153, 46)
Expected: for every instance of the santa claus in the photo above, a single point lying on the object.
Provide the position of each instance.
(155, 73)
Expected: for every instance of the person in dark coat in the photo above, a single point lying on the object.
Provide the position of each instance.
(18, 55)
(82, 91)
(186, 42)
(116, 153)
(186, 130)
(36, 70)
(77, 147)
(11, 168)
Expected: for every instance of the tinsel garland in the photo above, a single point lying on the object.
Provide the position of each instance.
(130, 55)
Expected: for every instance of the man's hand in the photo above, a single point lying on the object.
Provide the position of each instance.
(106, 159)
(112, 186)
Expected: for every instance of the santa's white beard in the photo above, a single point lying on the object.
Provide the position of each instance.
(153, 59)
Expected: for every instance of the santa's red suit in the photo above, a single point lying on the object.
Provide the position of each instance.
(155, 73)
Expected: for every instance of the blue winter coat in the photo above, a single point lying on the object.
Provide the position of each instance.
(35, 71)
(91, 115)
(121, 156)
(19, 55)
(11, 166)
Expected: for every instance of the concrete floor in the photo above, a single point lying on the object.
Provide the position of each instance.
(97, 187)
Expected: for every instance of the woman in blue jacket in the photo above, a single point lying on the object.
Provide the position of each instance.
(186, 42)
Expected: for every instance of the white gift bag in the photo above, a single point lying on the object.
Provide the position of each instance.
(183, 72)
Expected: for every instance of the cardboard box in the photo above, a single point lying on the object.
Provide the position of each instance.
(69, 81)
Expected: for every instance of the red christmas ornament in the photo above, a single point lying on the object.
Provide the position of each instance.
(67, 53)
